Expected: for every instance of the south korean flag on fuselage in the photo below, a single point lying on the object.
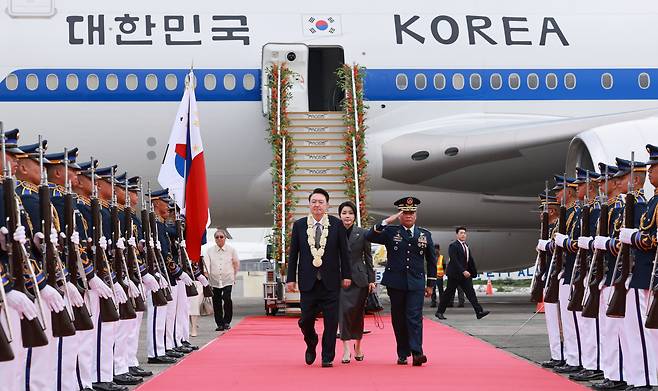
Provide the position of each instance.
(316, 25)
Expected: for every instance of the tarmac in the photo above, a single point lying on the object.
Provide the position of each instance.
(502, 328)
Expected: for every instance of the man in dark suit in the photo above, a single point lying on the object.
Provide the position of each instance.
(319, 261)
(410, 252)
(460, 272)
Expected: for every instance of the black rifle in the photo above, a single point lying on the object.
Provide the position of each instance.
(190, 290)
(551, 294)
(134, 273)
(537, 285)
(6, 353)
(577, 288)
(159, 297)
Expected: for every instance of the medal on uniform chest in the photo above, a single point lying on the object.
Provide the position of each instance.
(310, 233)
(397, 238)
(422, 240)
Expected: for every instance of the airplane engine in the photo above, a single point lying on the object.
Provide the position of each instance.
(604, 143)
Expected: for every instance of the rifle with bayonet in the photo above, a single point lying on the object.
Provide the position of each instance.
(623, 266)
(81, 315)
(537, 285)
(552, 291)
(62, 323)
(162, 266)
(190, 290)
(127, 309)
(577, 288)
(108, 308)
(159, 297)
(6, 353)
(134, 273)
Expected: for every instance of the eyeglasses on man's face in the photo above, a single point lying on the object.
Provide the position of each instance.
(220, 237)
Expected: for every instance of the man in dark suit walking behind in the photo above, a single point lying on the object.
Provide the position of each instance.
(460, 272)
(319, 261)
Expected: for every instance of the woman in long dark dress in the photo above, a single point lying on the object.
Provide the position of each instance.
(353, 298)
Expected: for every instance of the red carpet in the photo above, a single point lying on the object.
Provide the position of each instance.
(265, 353)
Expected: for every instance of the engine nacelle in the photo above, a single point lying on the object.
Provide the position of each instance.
(605, 143)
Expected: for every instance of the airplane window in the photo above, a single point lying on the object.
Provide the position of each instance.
(533, 81)
(229, 82)
(210, 82)
(420, 81)
(496, 81)
(248, 81)
(439, 81)
(551, 81)
(52, 82)
(644, 80)
(72, 82)
(570, 81)
(11, 82)
(131, 82)
(112, 82)
(514, 81)
(457, 81)
(171, 81)
(475, 81)
(32, 82)
(401, 81)
(607, 81)
(92, 82)
(151, 82)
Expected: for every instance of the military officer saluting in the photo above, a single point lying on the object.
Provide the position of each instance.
(410, 253)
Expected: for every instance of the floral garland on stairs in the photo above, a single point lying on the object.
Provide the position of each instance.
(345, 74)
(275, 137)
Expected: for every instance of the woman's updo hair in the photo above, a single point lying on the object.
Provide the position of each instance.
(349, 204)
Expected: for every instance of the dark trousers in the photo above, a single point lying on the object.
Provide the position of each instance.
(449, 294)
(407, 319)
(319, 298)
(439, 286)
(223, 313)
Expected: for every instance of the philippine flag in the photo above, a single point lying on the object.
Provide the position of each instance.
(183, 171)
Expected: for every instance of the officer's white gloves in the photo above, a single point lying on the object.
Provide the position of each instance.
(625, 234)
(584, 241)
(74, 295)
(21, 304)
(75, 238)
(600, 242)
(121, 245)
(542, 244)
(183, 244)
(560, 239)
(132, 289)
(203, 280)
(19, 235)
(52, 298)
(150, 282)
(102, 242)
(151, 242)
(131, 241)
(53, 237)
(97, 285)
(163, 282)
(186, 279)
(158, 245)
(119, 293)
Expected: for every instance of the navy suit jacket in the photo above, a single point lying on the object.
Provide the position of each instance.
(457, 264)
(335, 261)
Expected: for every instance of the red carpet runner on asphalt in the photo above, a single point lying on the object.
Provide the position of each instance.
(262, 353)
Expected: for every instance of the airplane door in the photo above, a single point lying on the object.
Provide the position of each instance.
(295, 57)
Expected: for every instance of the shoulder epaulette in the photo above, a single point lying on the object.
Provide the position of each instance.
(84, 200)
(27, 188)
(104, 204)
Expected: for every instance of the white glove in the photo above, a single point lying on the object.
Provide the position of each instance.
(121, 245)
(628, 281)
(52, 298)
(163, 281)
(53, 237)
(21, 304)
(74, 295)
(158, 245)
(625, 234)
(102, 242)
(119, 293)
(559, 239)
(541, 244)
(584, 241)
(132, 289)
(151, 243)
(600, 242)
(4, 230)
(19, 234)
(75, 238)
(203, 280)
(131, 241)
(97, 285)
(183, 244)
(38, 238)
(186, 279)
(150, 283)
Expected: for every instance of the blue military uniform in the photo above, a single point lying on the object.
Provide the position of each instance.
(410, 268)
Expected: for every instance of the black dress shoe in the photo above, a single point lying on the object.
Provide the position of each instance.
(402, 361)
(161, 360)
(141, 372)
(108, 386)
(126, 379)
(189, 345)
(366, 331)
(183, 349)
(309, 355)
(587, 375)
(440, 316)
(552, 363)
(327, 364)
(567, 369)
(608, 384)
(482, 314)
(220, 328)
(174, 354)
(419, 360)
(227, 327)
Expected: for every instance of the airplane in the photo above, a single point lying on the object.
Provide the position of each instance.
(472, 105)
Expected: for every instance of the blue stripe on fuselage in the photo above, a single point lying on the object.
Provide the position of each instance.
(380, 85)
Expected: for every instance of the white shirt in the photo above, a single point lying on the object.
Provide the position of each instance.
(219, 263)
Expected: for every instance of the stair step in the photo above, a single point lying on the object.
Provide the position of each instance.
(327, 185)
(315, 115)
(318, 142)
(319, 157)
(300, 178)
(317, 170)
(319, 164)
(301, 135)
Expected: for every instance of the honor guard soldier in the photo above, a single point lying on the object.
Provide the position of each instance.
(552, 310)
(410, 254)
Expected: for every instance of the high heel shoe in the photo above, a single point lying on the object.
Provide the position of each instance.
(344, 361)
(359, 358)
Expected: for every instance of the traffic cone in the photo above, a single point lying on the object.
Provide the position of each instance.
(540, 306)
(489, 288)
